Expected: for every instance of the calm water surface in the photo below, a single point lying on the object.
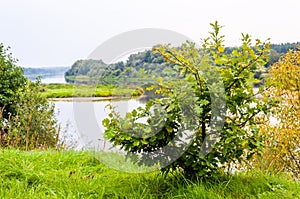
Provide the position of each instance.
(81, 121)
(54, 79)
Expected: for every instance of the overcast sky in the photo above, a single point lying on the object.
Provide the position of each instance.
(59, 32)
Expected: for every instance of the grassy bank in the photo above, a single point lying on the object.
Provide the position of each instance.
(85, 90)
(51, 174)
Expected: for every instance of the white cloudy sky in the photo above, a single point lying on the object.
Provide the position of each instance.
(58, 32)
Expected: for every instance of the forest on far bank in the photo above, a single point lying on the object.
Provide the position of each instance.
(143, 67)
(32, 73)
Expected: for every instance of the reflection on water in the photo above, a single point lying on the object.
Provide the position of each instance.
(81, 122)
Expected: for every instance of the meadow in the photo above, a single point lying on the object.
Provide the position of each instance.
(56, 90)
(77, 174)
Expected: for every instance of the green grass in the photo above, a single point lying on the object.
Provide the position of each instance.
(87, 90)
(84, 79)
(69, 174)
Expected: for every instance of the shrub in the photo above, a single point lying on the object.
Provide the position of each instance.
(282, 151)
(206, 118)
(26, 118)
(11, 80)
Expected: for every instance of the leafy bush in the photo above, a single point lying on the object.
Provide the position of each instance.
(206, 118)
(26, 118)
(282, 151)
(11, 80)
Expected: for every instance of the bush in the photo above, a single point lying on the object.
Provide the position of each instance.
(206, 118)
(11, 81)
(282, 151)
(26, 118)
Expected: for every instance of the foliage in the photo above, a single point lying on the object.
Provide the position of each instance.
(33, 124)
(142, 67)
(11, 81)
(283, 48)
(139, 69)
(26, 118)
(77, 174)
(92, 70)
(283, 144)
(206, 118)
(276, 51)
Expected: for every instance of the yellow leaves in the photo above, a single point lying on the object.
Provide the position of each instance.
(283, 139)
(158, 91)
(244, 144)
(221, 60)
(150, 88)
(287, 71)
(221, 49)
(252, 54)
(136, 143)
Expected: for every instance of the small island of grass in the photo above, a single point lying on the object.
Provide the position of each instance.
(88, 90)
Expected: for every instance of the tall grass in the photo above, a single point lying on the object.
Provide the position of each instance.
(32, 124)
(14, 135)
(69, 174)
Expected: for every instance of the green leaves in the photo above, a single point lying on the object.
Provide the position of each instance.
(11, 81)
(26, 118)
(195, 102)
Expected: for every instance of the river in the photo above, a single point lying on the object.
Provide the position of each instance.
(54, 79)
(81, 121)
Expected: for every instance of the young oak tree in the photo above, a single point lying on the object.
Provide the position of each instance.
(206, 118)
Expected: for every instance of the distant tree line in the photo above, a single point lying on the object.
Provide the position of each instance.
(33, 73)
(143, 67)
(139, 67)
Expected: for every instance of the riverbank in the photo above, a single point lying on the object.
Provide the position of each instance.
(87, 99)
(70, 174)
(56, 90)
